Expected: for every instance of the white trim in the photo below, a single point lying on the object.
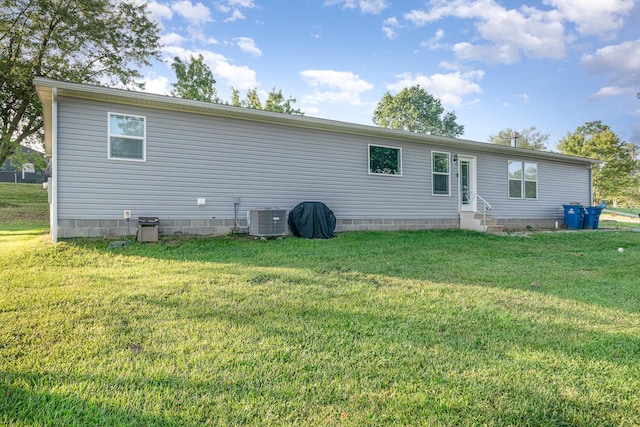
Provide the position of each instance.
(384, 146)
(136, 138)
(473, 177)
(53, 222)
(448, 174)
(523, 181)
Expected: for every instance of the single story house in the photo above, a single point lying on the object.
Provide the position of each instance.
(204, 168)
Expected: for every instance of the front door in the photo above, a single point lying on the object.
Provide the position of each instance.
(467, 183)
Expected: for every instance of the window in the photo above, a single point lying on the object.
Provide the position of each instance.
(515, 179)
(385, 160)
(523, 180)
(127, 137)
(441, 173)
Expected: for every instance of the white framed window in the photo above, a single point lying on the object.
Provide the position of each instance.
(523, 180)
(440, 173)
(127, 137)
(385, 160)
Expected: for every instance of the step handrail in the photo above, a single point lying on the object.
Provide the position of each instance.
(485, 206)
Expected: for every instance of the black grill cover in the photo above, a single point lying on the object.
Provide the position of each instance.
(313, 220)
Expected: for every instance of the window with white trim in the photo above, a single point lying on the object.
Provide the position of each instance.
(441, 173)
(385, 160)
(127, 137)
(523, 180)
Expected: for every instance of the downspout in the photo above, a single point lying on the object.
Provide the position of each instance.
(591, 201)
(54, 165)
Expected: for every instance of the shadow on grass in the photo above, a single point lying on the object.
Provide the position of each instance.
(582, 266)
(19, 233)
(34, 404)
(438, 327)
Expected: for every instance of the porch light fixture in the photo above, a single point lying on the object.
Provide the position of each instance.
(455, 158)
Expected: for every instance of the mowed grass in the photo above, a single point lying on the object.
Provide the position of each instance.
(396, 328)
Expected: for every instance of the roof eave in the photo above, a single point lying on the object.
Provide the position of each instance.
(44, 87)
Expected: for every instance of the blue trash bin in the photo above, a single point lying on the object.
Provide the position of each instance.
(573, 216)
(592, 217)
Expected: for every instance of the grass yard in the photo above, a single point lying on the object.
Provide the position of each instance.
(436, 328)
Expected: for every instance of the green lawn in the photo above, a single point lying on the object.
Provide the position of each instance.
(633, 211)
(396, 328)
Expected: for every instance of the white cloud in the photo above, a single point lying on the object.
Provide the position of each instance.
(343, 86)
(159, 11)
(234, 9)
(597, 18)
(236, 15)
(609, 91)
(621, 63)
(224, 71)
(242, 3)
(504, 54)
(389, 27)
(373, 6)
(196, 15)
(248, 45)
(159, 85)
(366, 6)
(171, 39)
(449, 88)
(343, 80)
(432, 43)
(509, 33)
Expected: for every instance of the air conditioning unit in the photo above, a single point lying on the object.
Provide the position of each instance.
(267, 222)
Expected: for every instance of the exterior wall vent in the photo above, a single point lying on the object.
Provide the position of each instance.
(267, 222)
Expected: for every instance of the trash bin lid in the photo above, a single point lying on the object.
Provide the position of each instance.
(148, 220)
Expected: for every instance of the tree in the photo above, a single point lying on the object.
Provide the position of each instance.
(528, 138)
(253, 100)
(415, 110)
(275, 102)
(26, 156)
(85, 41)
(195, 80)
(235, 98)
(615, 181)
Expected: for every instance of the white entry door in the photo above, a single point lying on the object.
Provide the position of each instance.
(467, 183)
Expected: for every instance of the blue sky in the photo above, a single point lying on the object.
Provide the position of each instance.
(552, 64)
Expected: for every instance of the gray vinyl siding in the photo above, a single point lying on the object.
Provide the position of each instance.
(558, 183)
(190, 156)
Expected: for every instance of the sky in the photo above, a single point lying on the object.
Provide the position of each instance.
(497, 64)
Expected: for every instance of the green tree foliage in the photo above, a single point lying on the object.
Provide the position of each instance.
(195, 80)
(275, 102)
(235, 98)
(528, 138)
(415, 110)
(25, 156)
(253, 100)
(86, 41)
(616, 180)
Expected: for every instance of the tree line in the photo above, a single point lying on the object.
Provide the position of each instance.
(90, 41)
